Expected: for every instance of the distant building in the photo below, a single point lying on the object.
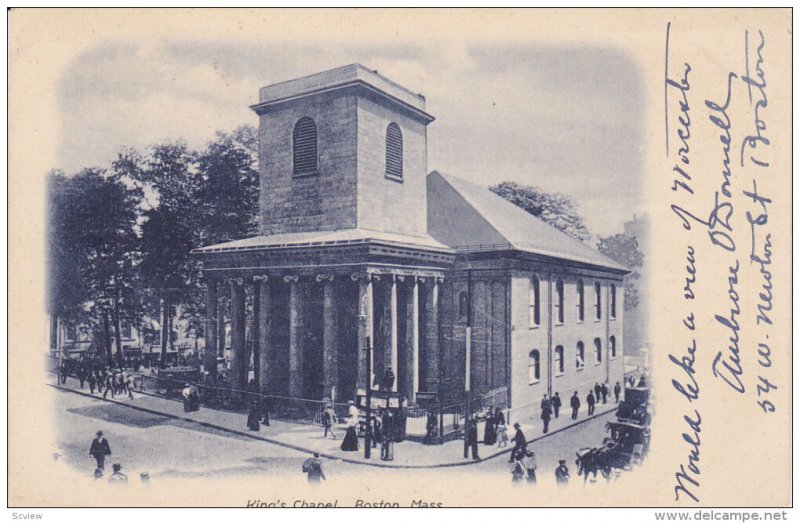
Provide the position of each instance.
(636, 335)
(360, 246)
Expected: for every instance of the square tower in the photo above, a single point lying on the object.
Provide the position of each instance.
(342, 149)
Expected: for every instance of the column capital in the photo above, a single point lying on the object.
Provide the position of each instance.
(236, 281)
(291, 279)
(260, 278)
(324, 277)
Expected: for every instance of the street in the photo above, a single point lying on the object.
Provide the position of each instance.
(165, 447)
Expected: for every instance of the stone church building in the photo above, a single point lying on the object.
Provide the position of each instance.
(361, 247)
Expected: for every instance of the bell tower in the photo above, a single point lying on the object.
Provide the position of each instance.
(342, 149)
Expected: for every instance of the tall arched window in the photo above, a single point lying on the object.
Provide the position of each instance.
(597, 300)
(579, 300)
(559, 301)
(613, 301)
(394, 151)
(559, 360)
(598, 351)
(304, 147)
(533, 303)
(534, 368)
(612, 347)
(579, 356)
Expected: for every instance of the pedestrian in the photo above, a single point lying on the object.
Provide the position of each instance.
(517, 468)
(556, 402)
(92, 381)
(387, 430)
(529, 462)
(81, 373)
(100, 449)
(430, 428)
(109, 384)
(252, 417)
(597, 391)
(490, 429)
(266, 406)
(499, 417)
(377, 433)
(350, 440)
(194, 398)
(327, 422)
(545, 403)
(186, 393)
(562, 473)
(117, 476)
(604, 392)
(119, 381)
(62, 373)
(131, 384)
(546, 413)
(520, 443)
(502, 435)
(313, 469)
(575, 403)
(472, 439)
(590, 401)
(617, 390)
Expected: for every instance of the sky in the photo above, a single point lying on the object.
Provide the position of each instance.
(566, 118)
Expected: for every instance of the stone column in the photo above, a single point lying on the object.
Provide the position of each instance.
(238, 363)
(412, 342)
(210, 351)
(365, 330)
(432, 332)
(330, 371)
(393, 302)
(263, 359)
(295, 337)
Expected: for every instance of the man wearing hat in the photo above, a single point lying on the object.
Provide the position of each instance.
(100, 449)
(313, 469)
(562, 473)
(520, 443)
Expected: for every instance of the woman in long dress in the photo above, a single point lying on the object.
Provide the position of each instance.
(253, 423)
(490, 431)
(350, 441)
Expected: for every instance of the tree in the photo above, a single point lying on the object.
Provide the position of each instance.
(94, 245)
(625, 250)
(556, 209)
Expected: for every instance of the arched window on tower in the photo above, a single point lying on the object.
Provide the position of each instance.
(534, 368)
(533, 303)
(304, 147)
(612, 347)
(598, 351)
(394, 151)
(579, 356)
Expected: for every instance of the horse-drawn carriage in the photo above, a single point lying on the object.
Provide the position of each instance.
(628, 440)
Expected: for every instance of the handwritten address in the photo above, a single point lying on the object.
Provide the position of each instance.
(715, 215)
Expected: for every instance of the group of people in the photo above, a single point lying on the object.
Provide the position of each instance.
(258, 414)
(100, 450)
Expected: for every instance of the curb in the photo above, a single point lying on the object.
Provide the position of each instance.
(309, 451)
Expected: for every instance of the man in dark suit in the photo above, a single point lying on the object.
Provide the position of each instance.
(575, 403)
(546, 413)
(556, 402)
(472, 438)
(100, 449)
(590, 401)
(617, 390)
(520, 443)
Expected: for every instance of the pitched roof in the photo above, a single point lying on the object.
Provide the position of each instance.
(324, 238)
(468, 217)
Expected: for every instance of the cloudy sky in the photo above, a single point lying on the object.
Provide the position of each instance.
(565, 118)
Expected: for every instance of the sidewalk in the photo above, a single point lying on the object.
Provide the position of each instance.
(308, 438)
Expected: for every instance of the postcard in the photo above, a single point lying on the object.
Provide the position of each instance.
(275, 258)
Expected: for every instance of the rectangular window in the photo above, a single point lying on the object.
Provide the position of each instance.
(579, 299)
(613, 302)
(533, 303)
(597, 314)
(560, 301)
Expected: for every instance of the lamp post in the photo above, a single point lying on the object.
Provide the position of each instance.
(362, 316)
(468, 362)
(387, 382)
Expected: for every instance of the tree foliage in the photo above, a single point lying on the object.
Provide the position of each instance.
(120, 240)
(625, 250)
(556, 209)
